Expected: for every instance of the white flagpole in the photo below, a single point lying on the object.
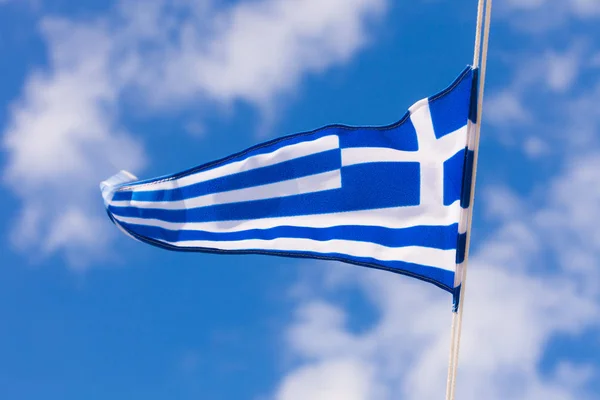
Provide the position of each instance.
(449, 380)
(479, 59)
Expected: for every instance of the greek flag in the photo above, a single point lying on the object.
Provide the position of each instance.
(392, 197)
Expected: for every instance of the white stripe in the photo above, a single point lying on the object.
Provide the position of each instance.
(462, 222)
(443, 259)
(394, 217)
(471, 128)
(280, 155)
(363, 155)
(458, 273)
(308, 184)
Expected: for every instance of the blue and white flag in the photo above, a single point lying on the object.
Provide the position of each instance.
(392, 197)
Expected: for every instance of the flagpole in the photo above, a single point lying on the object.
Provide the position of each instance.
(451, 369)
(479, 60)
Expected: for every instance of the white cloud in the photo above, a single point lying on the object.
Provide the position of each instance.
(506, 108)
(574, 376)
(576, 6)
(570, 222)
(535, 147)
(509, 320)
(562, 70)
(501, 203)
(257, 50)
(321, 319)
(542, 15)
(541, 102)
(547, 73)
(65, 135)
(585, 8)
(62, 139)
(348, 379)
(582, 119)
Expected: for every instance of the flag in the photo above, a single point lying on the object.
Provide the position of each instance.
(392, 197)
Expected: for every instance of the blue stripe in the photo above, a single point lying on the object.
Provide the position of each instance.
(450, 111)
(453, 181)
(364, 187)
(474, 96)
(296, 168)
(401, 137)
(440, 277)
(456, 297)
(465, 197)
(439, 237)
(461, 246)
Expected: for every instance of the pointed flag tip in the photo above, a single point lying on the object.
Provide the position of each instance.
(108, 186)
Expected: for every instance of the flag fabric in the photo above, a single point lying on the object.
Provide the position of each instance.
(392, 197)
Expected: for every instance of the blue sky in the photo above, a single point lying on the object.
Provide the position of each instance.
(88, 88)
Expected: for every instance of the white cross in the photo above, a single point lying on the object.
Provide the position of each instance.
(431, 155)
(433, 152)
